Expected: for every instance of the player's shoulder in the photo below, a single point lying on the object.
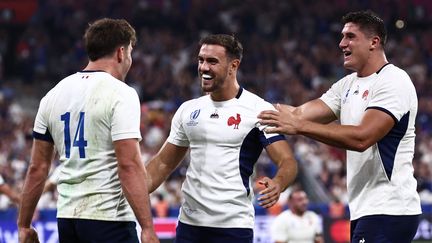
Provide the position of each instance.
(347, 79)
(196, 103)
(253, 100)
(394, 78)
(311, 214)
(249, 96)
(65, 84)
(394, 72)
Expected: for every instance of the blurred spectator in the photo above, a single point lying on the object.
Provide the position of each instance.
(297, 224)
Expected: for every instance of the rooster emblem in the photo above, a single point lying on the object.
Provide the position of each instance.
(234, 121)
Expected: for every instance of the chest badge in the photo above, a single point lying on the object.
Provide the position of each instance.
(365, 94)
(234, 121)
(193, 116)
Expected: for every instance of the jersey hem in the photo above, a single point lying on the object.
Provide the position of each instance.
(126, 219)
(385, 213)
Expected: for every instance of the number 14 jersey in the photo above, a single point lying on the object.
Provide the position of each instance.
(83, 114)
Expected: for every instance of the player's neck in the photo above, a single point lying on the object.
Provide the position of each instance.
(298, 213)
(374, 64)
(105, 65)
(226, 93)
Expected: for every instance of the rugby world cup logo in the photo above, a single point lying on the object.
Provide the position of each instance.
(193, 116)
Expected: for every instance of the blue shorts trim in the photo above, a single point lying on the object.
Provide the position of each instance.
(384, 229)
(96, 231)
(186, 233)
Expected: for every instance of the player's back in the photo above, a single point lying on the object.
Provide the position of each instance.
(80, 115)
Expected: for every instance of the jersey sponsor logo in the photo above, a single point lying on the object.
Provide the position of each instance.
(356, 91)
(214, 115)
(234, 121)
(365, 94)
(193, 116)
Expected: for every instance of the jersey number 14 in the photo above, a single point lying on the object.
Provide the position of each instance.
(79, 135)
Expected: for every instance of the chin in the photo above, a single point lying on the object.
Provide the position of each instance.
(207, 88)
(349, 66)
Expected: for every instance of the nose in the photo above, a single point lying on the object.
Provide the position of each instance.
(343, 43)
(204, 66)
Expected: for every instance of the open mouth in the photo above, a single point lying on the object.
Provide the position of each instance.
(207, 76)
(347, 53)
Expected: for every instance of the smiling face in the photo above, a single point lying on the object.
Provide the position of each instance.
(213, 67)
(356, 47)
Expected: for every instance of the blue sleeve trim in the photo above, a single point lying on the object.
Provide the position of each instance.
(385, 111)
(45, 137)
(275, 139)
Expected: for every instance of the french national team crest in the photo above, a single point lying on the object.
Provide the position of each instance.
(365, 94)
(234, 121)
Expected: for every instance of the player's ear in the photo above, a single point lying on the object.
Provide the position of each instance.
(234, 65)
(375, 42)
(120, 52)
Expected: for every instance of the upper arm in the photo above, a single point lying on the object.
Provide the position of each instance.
(316, 111)
(374, 125)
(127, 151)
(42, 153)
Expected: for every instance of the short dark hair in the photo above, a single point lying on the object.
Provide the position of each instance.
(368, 21)
(295, 190)
(232, 45)
(103, 36)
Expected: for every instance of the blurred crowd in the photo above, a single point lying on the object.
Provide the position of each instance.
(291, 55)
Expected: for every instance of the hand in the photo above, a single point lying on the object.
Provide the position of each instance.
(283, 120)
(27, 235)
(149, 236)
(269, 195)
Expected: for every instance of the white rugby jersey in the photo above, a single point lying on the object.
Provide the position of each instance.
(225, 141)
(380, 180)
(83, 115)
(292, 228)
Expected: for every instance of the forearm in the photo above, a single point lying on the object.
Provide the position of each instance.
(286, 174)
(32, 190)
(158, 172)
(131, 177)
(281, 154)
(316, 111)
(342, 136)
(163, 164)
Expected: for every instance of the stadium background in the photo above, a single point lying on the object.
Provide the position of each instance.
(291, 55)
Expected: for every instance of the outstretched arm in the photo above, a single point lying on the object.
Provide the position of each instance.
(314, 110)
(163, 164)
(282, 156)
(131, 173)
(41, 157)
(374, 125)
